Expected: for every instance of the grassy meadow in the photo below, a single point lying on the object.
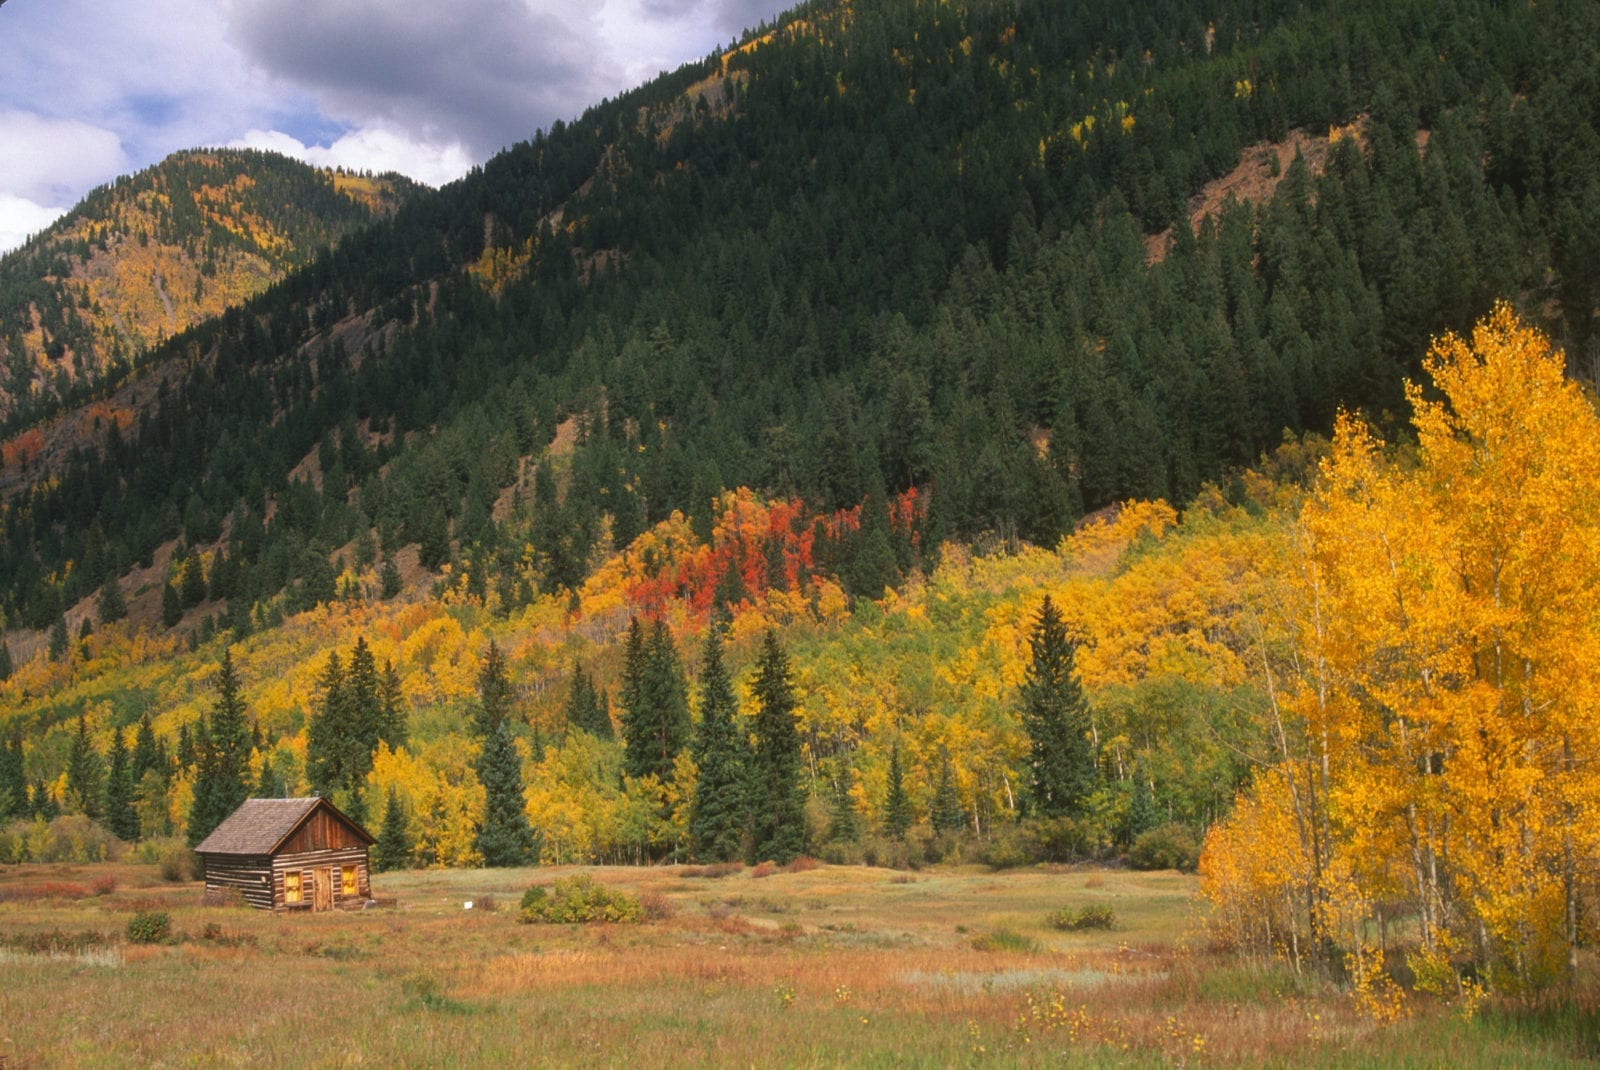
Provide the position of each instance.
(812, 967)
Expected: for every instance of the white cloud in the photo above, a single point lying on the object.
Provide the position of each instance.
(370, 149)
(48, 160)
(20, 218)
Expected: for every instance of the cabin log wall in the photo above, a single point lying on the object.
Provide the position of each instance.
(306, 861)
(249, 874)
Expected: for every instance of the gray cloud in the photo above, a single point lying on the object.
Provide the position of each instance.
(483, 73)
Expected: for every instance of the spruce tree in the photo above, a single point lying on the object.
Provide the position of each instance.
(268, 786)
(633, 672)
(13, 778)
(946, 815)
(6, 667)
(389, 583)
(494, 692)
(392, 728)
(171, 607)
(777, 802)
(85, 774)
(655, 727)
(363, 693)
(1061, 759)
(393, 848)
(505, 838)
(222, 756)
(59, 639)
(328, 735)
(718, 814)
(583, 705)
(896, 804)
(843, 824)
(42, 804)
(121, 817)
(192, 589)
(111, 605)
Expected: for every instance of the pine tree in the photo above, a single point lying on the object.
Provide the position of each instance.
(896, 804)
(328, 735)
(85, 774)
(1143, 815)
(946, 815)
(13, 778)
(268, 786)
(392, 728)
(59, 639)
(6, 668)
(718, 814)
(121, 817)
(581, 703)
(192, 589)
(363, 695)
(655, 724)
(111, 605)
(494, 692)
(1056, 719)
(393, 848)
(777, 801)
(843, 824)
(171, 606)
(222, 757)
(42, 804)
(505, 839)
(389, 583)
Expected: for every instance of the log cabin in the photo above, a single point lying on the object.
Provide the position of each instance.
(289, 854)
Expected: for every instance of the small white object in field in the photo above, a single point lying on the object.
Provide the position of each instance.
(467, 905)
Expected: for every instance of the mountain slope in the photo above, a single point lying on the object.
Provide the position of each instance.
(141, 260)
(875, 248)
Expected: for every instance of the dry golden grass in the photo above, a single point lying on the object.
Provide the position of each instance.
(830, 966)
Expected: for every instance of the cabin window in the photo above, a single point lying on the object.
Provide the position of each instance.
(291, 887)
(347, 880)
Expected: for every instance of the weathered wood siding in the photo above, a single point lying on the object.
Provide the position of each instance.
(307, 862)
(248, 874)
(322, 831)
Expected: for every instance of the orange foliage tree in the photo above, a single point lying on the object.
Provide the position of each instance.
(1436, 709)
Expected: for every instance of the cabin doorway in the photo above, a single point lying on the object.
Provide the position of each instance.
(322, 888)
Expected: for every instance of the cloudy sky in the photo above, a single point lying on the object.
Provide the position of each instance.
(90, 89)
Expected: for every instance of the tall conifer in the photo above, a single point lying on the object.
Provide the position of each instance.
(777, 801)
(719, 813)
(1061, 759)
(505, 838)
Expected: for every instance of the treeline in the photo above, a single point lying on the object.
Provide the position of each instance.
(906, 258)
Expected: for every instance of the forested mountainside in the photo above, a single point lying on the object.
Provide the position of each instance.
(1035, 429)
(145, 258)
(877, 247)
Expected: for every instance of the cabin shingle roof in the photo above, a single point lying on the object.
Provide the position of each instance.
(258, 826)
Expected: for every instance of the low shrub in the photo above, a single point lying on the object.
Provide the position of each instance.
(1003, 939)
(579, 899)
(656, 906)
(803, 864)
(103, 885)
(763, 869)
(55, 942)
(1008, 848)
(1090, 917)
(1170, 846)
(150, 927)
